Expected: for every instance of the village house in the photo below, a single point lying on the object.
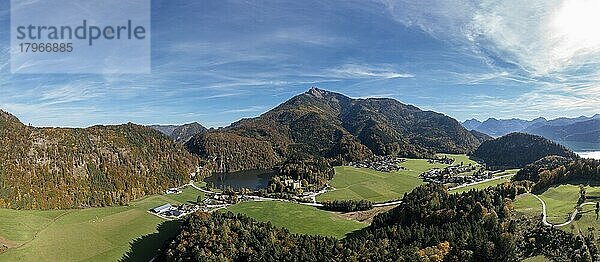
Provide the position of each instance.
(380, 163)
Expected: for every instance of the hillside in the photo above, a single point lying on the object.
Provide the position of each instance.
(180, 134)
(532, 171)
(331, 125)
(184, 133)
(553, 171)
(165, 129)
(517, 150)
(480, 136)
(49, 168)
(429, 225)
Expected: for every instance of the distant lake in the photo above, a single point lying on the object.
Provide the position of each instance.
(589, 154)
(581, 146)
(251, 179)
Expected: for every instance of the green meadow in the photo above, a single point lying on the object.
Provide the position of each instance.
(298, 218)
(528, 205)
(364, 183)
(562, 200)
(560, 203)
(128, 232)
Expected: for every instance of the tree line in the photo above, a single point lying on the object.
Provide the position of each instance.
(430, 225)
(348, 205)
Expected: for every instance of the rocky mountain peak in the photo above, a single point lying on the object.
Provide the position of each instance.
(316, 92)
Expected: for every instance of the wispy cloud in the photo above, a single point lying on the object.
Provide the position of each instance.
(250, 109)
(541, 37)
(367, 71)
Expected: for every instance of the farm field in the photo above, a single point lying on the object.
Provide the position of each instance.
(364, 183)
(528, 205)
(298, 218)
(93, 234)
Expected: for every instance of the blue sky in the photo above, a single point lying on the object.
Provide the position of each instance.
(218, 61)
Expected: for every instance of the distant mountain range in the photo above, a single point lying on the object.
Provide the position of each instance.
(180, 134)
(581, 133)
(330, 125)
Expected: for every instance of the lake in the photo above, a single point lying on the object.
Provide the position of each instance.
(589, 154)
(251, 179)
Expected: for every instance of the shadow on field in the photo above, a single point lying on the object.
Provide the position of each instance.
(146, 247)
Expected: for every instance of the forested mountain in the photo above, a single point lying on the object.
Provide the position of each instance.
(532, 171)
(180, 134)
(331, 125)
(184, 133)
(48, 168)
(517, 150)
(558, 171)
(165, 129)
(429, 225)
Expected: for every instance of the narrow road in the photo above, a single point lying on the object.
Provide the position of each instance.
(545, 215)
(200, 189)
(480, 182)
(393, 203)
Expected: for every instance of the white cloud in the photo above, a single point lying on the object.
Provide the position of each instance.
(367, 71)
(541, 36)
(548, 100)
(245, 110)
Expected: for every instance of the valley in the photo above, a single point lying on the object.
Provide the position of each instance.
(314, 169)
(132, 233)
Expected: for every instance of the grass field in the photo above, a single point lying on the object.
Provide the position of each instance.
(561, 202)
(93, 234)
(364, 183)
(298, 218)
(527, 204)
(536, 259)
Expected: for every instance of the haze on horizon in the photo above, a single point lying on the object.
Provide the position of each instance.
(218, 61)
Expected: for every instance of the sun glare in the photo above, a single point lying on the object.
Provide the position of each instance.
(576, 27)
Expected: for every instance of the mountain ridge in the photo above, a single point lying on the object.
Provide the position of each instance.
(327, 124)
(575, 132)
(180, 133)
